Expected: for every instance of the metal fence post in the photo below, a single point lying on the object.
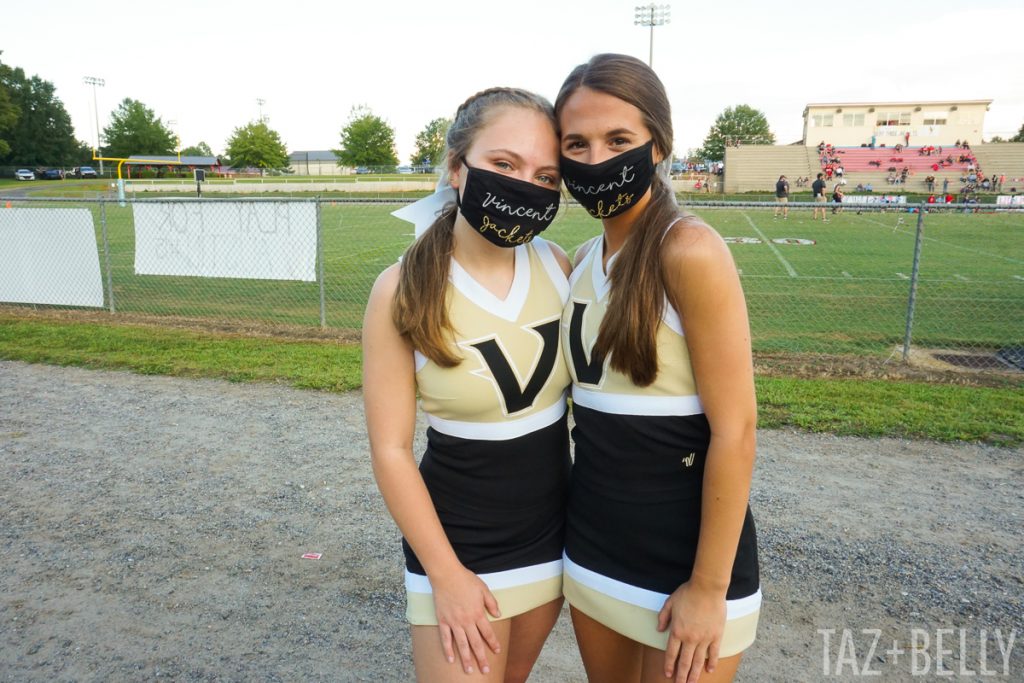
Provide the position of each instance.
(320, 263)
(915, 271)
(106, 255)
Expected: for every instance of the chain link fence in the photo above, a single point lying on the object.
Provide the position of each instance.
(938, 286)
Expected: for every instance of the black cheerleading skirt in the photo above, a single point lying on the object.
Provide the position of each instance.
(502, 507)
(634, 513)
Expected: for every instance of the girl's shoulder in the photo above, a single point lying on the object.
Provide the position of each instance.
(691, 241)
(584, 249)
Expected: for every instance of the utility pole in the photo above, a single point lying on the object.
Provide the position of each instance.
(652, 15)
(93, 81)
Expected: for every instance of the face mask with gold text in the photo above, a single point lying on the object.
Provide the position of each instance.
(612, 186)
(505, 210)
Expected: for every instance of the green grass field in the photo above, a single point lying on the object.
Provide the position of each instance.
(846, 293)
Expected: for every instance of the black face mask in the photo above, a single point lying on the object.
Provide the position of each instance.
(610, 187)
(507, 211)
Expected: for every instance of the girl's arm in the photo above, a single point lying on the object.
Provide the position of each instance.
(702, 283)
(461, 599)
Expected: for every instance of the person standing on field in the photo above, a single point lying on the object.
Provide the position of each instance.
(818, 189)
(782, 197)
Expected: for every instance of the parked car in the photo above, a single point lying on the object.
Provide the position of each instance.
(362, 170)
(82, 172)
(52, 174)
(405, 170)
(24, 174)
(677, 167)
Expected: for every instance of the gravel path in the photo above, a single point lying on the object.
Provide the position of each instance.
(154, 527)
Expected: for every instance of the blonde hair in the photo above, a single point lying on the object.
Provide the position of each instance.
(420, 308)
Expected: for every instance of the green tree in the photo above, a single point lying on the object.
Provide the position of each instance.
(9, 113)
(430, 143)
(36, 129)
(366, 140)
(1019, 137)
(135, 129)
(257, 146)
(200, 150)
(83, 154)
(741, 124)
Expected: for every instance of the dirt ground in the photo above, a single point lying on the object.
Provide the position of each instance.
(153, 528)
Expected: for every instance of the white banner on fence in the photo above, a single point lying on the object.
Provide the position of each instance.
(49, 256)
(261, 240)
(1010, 200)
(874, 199)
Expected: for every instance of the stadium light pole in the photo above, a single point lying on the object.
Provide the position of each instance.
(652, 15)
(93, 81)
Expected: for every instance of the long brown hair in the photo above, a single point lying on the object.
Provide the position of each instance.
(420, 308)
(636, 302)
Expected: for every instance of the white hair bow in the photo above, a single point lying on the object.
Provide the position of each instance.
(424, 212)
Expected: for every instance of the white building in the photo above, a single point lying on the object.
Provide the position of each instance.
(854, 124)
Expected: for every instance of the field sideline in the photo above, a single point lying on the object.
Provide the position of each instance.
(835, 288)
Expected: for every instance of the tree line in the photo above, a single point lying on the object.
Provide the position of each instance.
(36, 130)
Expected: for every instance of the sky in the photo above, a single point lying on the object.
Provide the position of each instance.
(203, 65)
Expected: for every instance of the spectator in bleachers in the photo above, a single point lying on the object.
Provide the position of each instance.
(957, 144)
(868, 187)
(950, 198)
(945, 185)
(781, 198)
(839, 171)
(930, 183)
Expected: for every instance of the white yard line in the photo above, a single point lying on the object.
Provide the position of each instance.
(948, 244)
(771, 245)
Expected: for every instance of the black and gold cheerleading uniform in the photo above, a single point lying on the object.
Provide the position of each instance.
(497, 458)
(634, 510)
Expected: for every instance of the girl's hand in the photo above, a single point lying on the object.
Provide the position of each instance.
(695, 618)
(462, 602)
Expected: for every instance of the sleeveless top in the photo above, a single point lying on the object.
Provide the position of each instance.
(512, 379)
(597, 385)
